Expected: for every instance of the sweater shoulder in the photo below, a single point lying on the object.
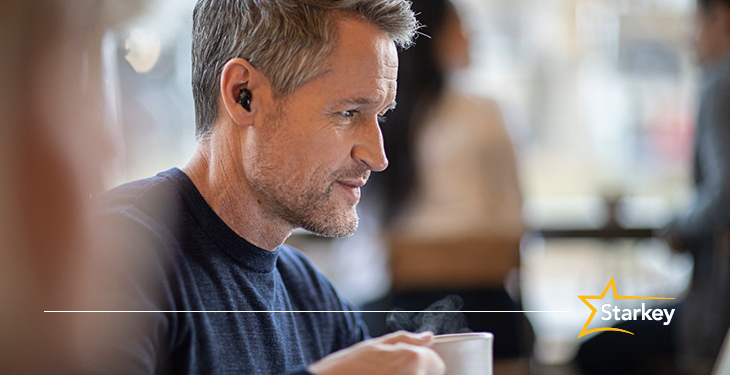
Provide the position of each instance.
(293, 262)
(155, 197)
(300, 273)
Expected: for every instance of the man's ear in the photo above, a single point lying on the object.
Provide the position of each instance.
(239, 75)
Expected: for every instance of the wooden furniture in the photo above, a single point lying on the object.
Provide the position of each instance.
(455, 263)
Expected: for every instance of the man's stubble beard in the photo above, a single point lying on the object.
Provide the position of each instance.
(303, 204)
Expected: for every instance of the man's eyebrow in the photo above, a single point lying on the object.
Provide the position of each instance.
(390, 106)
(367, 102)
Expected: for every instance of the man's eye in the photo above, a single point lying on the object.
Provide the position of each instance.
(382, 119)
(349, 115)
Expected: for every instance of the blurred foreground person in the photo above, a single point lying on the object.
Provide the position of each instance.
(692, 344)
(287, 96)
(53, 146)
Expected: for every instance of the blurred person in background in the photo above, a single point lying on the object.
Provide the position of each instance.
(54, 148)
(692, 344)
(287, 97)
(452, 201)
(702, 228)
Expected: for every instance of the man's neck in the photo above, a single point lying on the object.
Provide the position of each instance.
(217, 172)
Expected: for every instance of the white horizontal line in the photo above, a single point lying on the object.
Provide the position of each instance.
(292, 311)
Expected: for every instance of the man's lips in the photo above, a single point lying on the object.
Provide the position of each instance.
(353, 182)
(352, 186)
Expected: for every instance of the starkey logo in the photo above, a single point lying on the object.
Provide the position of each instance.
(619, 314)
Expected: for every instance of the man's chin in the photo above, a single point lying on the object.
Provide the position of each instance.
(333, 226)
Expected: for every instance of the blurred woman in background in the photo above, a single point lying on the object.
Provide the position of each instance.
(452, 202)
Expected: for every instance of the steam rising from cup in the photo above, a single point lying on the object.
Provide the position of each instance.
(440, 317)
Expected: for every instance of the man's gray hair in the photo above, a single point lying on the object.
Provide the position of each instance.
(287, 40)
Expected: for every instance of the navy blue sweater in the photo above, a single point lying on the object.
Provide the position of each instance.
(194, 269)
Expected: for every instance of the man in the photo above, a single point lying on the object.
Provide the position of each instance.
(288, 94)
(703, 317)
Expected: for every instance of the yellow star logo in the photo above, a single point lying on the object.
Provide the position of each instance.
(585, 299)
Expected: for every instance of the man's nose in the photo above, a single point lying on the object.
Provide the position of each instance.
(369, 147)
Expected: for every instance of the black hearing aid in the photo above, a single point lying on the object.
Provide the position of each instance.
(245, 99)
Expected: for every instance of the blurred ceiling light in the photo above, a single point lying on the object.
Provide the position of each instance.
(143, 50)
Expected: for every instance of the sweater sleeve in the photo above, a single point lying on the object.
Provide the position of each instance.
(710, 208)
(302, 371)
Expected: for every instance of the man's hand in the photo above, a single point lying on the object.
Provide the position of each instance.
(401, 353)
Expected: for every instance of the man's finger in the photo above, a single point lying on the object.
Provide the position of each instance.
(423, 338)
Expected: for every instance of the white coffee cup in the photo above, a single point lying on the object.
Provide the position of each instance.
(465, 353)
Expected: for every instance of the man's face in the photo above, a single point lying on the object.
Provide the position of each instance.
(318, 146)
